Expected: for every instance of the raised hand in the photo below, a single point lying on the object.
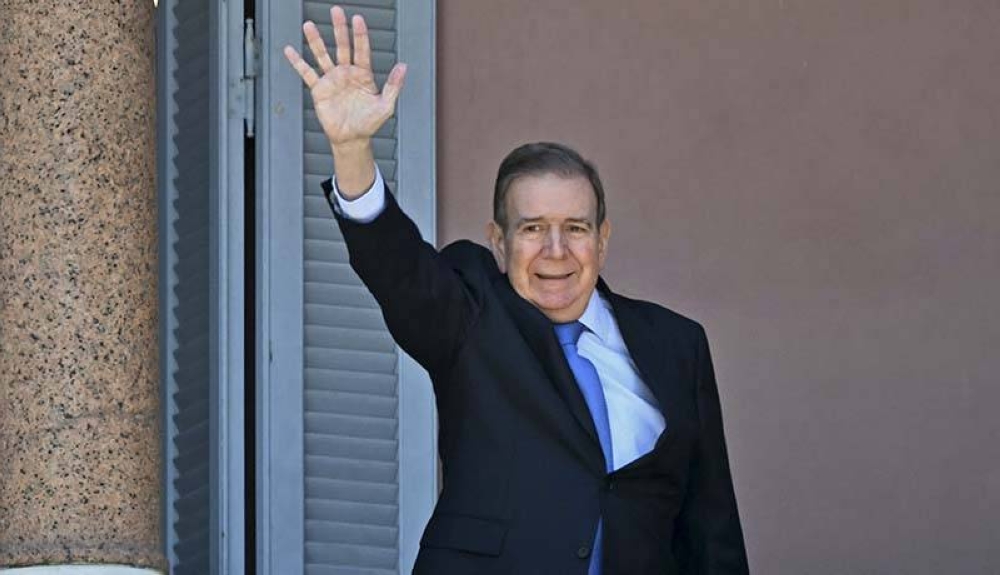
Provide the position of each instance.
(345, 96)
(348, 103)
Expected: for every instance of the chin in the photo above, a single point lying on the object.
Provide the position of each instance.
(557, 307)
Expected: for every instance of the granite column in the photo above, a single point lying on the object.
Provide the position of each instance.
(80, 470)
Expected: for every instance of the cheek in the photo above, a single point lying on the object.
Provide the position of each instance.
(513, 268)
(519, 260)
(590, 256)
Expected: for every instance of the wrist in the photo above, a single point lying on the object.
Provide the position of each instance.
(354, 166)
(351, 148)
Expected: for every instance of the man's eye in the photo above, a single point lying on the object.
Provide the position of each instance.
(533, 228)
(578, 229)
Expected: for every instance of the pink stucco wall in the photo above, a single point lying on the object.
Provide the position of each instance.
(819, 184)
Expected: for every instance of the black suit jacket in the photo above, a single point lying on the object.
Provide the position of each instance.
(524, 480)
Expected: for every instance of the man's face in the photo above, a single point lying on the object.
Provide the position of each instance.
(552, 250)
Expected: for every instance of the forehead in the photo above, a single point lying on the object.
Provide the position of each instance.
(551, 196)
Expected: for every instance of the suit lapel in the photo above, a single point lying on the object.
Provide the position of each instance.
(537, 331)
(658, 368)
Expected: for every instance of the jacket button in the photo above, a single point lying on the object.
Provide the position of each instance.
(609, 484)
(583, 552)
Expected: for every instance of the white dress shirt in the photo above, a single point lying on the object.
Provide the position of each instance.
(633, 413)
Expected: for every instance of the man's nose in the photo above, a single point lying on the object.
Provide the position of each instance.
(555, 244)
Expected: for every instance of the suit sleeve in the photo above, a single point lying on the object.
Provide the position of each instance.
(426, 305)
(710, 538)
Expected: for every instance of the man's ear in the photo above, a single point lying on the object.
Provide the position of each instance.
(605, 234)
(494, 235)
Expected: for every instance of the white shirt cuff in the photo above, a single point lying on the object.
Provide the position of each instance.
(365, 207)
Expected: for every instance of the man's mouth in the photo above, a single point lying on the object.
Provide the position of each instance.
(553, 276)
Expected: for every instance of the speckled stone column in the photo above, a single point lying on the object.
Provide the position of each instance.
(79, 401)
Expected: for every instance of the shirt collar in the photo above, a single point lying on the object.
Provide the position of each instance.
(597, 317)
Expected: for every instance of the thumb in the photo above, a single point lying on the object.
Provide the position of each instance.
(393, 84)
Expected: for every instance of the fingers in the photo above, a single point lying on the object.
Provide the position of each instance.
(341, 36)
(305, 71)
(393, 84)
(317, 46)
(362, 46)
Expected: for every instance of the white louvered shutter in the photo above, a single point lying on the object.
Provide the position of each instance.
(350, 364)
(347, 467)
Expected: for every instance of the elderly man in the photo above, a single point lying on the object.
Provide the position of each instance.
(580, 430)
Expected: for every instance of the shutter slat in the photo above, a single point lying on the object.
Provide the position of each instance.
(325, 251)
(196, 520)
(327, 569)
(352, 512)
(192, 465)
(346, 403)
(193, 421)
(335, 294)
(351, 447)
(377, 18)
(350, 425)
(194, 549)
(189, 396)
(323, 531)
(193, 245)
(193, 298)
(350, 360)
(196, 336)
(192, 488)
(359, 491)
(352, 555)
(322, 272)
(346, 316)
(191, 271)
(184, 12)
(346, 380)
(322, 228)
(378, 341)
(314, 203)
(191, 377)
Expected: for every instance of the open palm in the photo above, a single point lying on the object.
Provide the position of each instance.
(347, 101)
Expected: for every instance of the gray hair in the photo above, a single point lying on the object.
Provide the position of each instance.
(541, 158)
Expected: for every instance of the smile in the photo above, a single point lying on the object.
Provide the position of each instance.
(554, 276)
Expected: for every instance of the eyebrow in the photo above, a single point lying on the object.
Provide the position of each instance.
(523, 221)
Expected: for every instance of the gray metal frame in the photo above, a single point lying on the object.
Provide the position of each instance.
(280, 472)
(416, 135)
(226, 291)
(225, 285)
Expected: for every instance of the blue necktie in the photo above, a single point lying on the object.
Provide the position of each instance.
(590, 385)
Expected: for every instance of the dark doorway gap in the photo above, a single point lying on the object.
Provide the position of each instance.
(250, 348)
(250, 364)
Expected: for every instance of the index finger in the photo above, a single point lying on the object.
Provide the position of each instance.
(305, 71)
(317, 46)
